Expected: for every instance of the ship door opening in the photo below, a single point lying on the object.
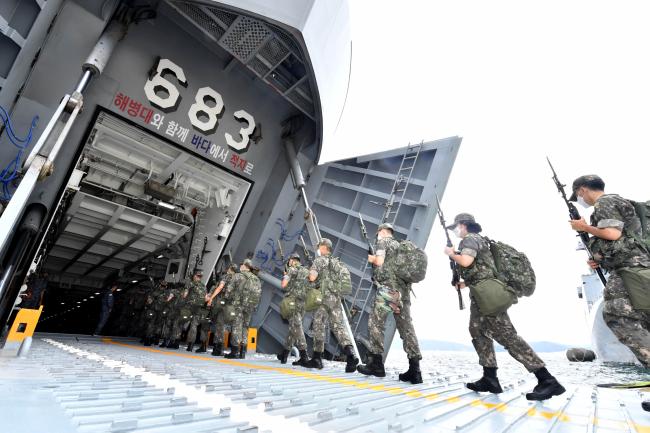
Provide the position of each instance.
(136, 210)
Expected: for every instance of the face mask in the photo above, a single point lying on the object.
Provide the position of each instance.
(457, 231)
(318, 253)
(583, 203)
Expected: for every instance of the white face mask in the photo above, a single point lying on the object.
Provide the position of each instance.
(583, 203)
(457, 231)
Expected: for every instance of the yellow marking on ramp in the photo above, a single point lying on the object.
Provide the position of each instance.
(408, 392)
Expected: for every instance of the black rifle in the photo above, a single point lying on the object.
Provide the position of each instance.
(364, 232)
(455, 272)
(305, 251)
(575, 215)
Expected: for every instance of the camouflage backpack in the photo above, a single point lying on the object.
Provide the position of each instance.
(411, 262)
(337, 280)
(513, 268)
(252, 291)
(642, 210)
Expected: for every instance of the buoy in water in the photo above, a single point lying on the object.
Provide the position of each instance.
(580, 355)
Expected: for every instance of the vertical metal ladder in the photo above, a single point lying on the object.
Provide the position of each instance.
(393, 205)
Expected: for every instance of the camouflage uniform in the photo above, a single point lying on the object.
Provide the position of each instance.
(168, 313)
(631, 327)
(393, 295)
(245, 301)
(297, 288)
(219, 304)
(155, 310)
(485, 329)
(215, 310)
(192, 311)
(330, 310)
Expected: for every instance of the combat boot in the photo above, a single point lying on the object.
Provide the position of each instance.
(147, 341)
(303, 360)
(646, 405)
(282, 356)
(190, 347)
(173, 345)
(202, 348)
(547, 386)
(217, 349)
(315, 361)
(234, 352)
(374, 367)
(242, 353)
(413, 374)
(488, 383)
(351, 361)
(164, 343)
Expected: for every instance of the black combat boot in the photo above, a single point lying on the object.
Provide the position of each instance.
(173, 345)
(413, 374)
(282, 356)
(547, 386)
(164, 343)
(315, 361)
(242, 353)
(488, 383)
(351, 361)
(147, 341)
(303, 360)
(646, 405)
(374, 367)
(234, 352)
(202, 348)
(217, 350)
(190, 347)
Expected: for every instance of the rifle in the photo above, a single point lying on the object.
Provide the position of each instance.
(364, 232)
(305, 251)
(455, 273)
(575, 215)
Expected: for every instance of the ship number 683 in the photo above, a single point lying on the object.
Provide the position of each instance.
(170, 99)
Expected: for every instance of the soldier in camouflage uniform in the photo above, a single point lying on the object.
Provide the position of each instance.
(196, 305)
(616, 244)
(169, 313)
(331, 310)
(294, 284)
(218, 299)
(155, 306)
(393, 296)
(246, 298)
(476, 265)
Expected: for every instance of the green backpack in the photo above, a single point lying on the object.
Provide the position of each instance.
(410, 263)
(252, 291)
(337, 279)
(513, 268)
(288, 307)
(642, 210)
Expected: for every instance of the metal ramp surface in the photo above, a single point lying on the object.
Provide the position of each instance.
(83, 384)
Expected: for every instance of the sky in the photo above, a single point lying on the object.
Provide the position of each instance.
(518, 80)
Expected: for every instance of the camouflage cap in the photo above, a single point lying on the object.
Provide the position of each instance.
(462, 218)
(592, 181)
(294, 256)
(387, 226)
(248, 263)
(326, 242)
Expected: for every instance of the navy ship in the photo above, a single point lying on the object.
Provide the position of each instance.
(145, 139)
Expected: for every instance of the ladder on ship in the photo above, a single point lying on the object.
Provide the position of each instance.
(402, 181)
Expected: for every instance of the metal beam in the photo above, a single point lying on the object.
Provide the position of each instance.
(109, 225)
(142, 233)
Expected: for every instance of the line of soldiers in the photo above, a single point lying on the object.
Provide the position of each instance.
(171, 310)
(617, 246)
